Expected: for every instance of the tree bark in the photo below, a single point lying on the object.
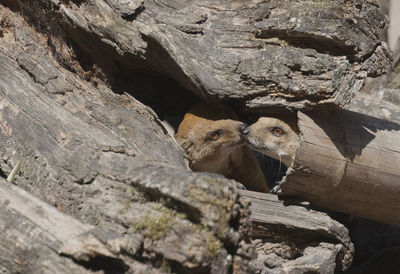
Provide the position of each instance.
(294, 239)
(348, 162)
(38, 238)
(106, 160)
(68, 70)
(269, 56)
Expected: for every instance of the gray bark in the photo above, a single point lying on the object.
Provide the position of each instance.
(104, 160)
(294, 239)
(381, 96)
(35, 234)
(269, 56)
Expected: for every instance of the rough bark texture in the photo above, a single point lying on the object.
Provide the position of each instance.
(106, 160)
(381, 96)
(267, 55)
(294, 239)
(43, 233)
(68, 70)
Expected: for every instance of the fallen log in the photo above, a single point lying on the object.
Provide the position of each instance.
(86, 147)
(284, 233)
(349, 162)
(267, 56)
(106, 160)
(38, 238)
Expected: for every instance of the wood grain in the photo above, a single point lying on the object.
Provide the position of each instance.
(348, 162)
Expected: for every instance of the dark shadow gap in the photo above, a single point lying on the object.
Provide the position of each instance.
(2, 174)
(130, 74)
(350, 131)
(106, 264)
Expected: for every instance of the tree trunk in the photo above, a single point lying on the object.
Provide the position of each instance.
(348, 162)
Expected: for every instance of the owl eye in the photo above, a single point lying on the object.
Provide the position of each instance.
(214, 136)
(277, 131)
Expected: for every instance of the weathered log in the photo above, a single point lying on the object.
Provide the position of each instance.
(106, 160)
(380, 97)
(274, 55)
(38, 238)
(379, 101)
(285, 234)
(377, 244)
(99, 155)
(348, 162)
